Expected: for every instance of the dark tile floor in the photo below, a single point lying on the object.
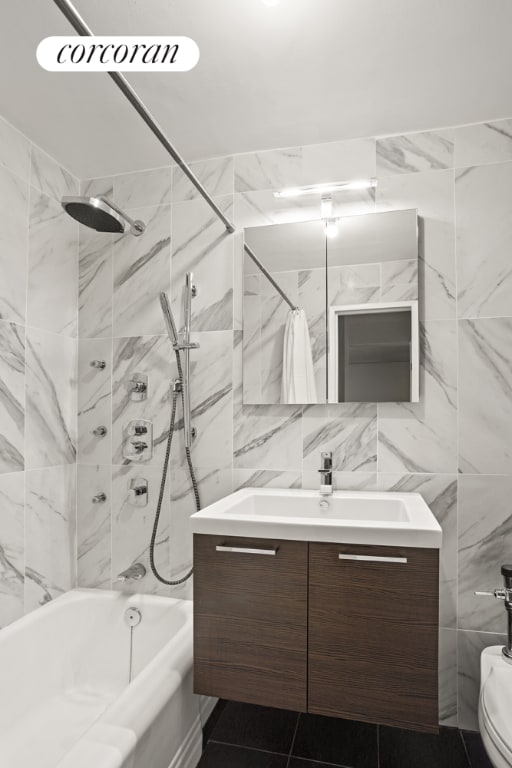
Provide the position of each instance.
(245, 736)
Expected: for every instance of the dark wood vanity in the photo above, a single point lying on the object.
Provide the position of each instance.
(342, 630)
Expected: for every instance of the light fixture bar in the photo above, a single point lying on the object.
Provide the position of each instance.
(327, 189)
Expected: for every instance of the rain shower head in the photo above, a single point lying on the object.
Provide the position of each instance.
(101, 214)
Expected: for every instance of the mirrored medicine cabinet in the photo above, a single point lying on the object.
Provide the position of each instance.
(358, 292)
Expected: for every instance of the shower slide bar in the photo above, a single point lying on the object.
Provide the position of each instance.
(77, 22)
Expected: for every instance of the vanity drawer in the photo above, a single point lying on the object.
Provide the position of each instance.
(373, 634)
(250, 620)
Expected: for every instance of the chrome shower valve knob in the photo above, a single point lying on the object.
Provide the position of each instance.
(100, 498)
(100, 431)
(100, 364)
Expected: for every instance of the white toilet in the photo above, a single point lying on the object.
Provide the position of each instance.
(495, 706)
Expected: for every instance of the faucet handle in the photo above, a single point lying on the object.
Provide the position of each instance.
(499, 594)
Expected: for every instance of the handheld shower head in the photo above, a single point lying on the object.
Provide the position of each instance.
(169, 319)
(101, 214)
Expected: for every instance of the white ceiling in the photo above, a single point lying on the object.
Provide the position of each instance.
(304, 71)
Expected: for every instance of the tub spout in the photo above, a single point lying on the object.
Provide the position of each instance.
(135, 572)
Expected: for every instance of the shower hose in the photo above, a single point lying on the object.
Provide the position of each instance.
(165, 471)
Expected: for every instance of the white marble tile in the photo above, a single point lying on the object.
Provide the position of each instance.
(341, 481)
(211, 397)
(432, 194)
(469, 648)
(143, 188)
(49, 177)
(201, 245)
(252, 348)
(485, 396)
(14, 150)
(357, 284)
(12, 396)
(52, 302)
(95, 283)
(94, 401)
(14, 198)
(448, 677)
(50, 528)
(141, 271)
(102, 186)
(213, 484)
(12, 552)
(151, 355)
(412, 152)
(268, 442)
(265, 478)
(311, 298)
(440, 493)
(93, 527)
(399, 280)
(212, 403)
(352, 438)
(485, 540)
(484, 232)
(483, 143)
(422, 437)
(50, 426)
(272, 169)
(132, 527)
(338, 161)
(216, 175)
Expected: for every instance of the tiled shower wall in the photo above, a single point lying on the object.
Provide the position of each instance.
(454, 446)
(38, 341)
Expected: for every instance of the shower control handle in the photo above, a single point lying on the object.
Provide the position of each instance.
(138, 440)
(138, 386)
(100, 498)
(101, 364)
(99, 431)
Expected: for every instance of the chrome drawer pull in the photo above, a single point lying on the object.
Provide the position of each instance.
(247, 550)
(373, 558)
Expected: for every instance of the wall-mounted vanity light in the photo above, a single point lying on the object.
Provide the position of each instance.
(327, 189)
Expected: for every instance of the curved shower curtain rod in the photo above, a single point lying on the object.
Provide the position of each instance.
(124, 86)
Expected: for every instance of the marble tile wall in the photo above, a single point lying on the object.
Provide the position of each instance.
(453, 447)
(38, 354)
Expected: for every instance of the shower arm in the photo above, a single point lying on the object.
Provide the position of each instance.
(77, 22)
(136, 225)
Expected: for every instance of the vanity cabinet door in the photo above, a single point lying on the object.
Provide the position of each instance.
(373, 634)
(250, 620)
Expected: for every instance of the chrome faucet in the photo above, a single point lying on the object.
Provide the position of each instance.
(325, 473)
(135, 572)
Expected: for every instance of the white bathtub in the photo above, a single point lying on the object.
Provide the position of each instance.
(65, 696)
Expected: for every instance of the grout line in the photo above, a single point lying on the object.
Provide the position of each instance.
(468, 759)
(293, 738)
(243, 746)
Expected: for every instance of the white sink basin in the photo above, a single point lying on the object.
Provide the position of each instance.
(346, 517)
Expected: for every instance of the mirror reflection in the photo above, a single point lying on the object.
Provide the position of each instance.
(356, 287)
